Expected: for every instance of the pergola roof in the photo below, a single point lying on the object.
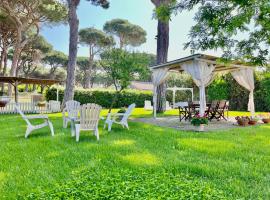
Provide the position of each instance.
(175, 65)
(19, 80)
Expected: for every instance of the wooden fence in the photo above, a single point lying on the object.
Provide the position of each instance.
(28, 107)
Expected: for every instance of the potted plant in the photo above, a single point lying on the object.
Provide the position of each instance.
(242, 121)
(253, 120)
(265, 118)
(199, 122)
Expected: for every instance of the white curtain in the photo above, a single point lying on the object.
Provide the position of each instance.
(158, 76)
(245, 78)
(202, 74)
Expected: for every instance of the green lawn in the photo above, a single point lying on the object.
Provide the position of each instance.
(146, 162)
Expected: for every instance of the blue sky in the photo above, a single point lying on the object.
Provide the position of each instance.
(139, 12)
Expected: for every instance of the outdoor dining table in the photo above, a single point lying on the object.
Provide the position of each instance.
(187, 110)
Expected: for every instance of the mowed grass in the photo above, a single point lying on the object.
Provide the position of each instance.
(146, 162)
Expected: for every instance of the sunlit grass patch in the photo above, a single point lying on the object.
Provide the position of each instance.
(53, 154)
(145, 162)
(124, 142)
(206, 145)
(2, 177)
(142, 159)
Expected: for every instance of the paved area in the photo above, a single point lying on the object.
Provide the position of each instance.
(173, 122)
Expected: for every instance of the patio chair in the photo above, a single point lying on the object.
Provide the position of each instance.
(227, 109)
(89, 119)
(192, 109)
(31, 127)
(212, 110)
(148, 105)
(54, 106)
(119, 118)
(183, 110)
(71, 111)
(221, 110)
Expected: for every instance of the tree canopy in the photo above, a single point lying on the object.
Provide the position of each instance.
(95, 39)
(55, 59)
(128, 33)
(123, 66)
(240, 28)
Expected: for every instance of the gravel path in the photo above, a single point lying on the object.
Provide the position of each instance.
(173, 122)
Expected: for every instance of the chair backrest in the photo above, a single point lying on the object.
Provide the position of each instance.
(128, 112)
(17, 108)
(147, 104)
(214, 104)
(181, 104)
(222, 104)
(54, 106)
(227, 105)
(89, 115)
(73, 108)
(195, 102)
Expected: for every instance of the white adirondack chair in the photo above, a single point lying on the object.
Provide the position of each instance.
(89, 119)
(148, 105)
(71, 111)
(31, 127)
(112, 118)
(54, 106)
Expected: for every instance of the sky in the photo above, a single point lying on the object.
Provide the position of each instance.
(138, 12)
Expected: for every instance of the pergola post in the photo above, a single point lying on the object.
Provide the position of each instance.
(174, 97)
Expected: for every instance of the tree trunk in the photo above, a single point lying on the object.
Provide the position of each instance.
(16, 57)
(89, 73)
(162, 55)
(4, 71)
(73, 41)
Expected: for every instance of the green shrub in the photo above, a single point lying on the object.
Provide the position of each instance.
(104, 97)
(227, 88)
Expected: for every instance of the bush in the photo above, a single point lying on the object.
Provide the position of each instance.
(227, 88)
(105, 97)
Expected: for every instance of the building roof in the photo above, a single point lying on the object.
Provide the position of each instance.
(19, 80)
(139, 85)
(175, 65)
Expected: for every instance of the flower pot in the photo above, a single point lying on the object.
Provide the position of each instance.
(3, 103)
(199, 128)
(252, 122)
(266, 120)
(242, 122)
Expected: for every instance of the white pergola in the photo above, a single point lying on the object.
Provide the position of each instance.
(203, 70)
(175, 89)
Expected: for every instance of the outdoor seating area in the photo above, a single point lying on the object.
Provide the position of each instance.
(217, 109)
(134, 100)
(34, 103)
(86, 117)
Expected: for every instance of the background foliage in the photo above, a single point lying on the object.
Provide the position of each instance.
(105, 97)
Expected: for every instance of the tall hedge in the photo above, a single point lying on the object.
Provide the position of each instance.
(227, 88)
(104, 97)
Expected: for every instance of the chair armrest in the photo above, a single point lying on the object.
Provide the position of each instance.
(64, 112)
(117, 114)
(37, 117)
